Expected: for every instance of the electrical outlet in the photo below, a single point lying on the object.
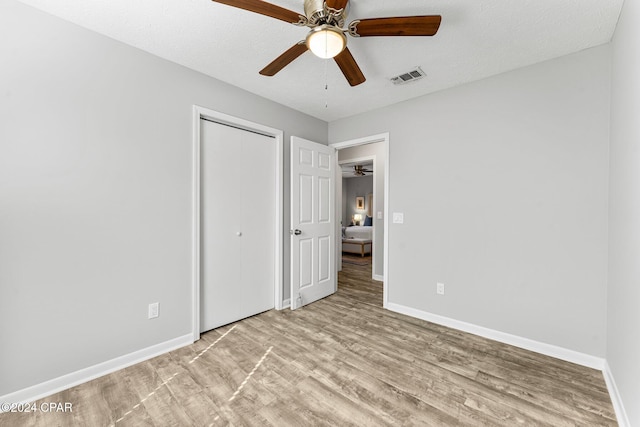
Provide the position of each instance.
(440, 288)
(398, 218)
(153, 310)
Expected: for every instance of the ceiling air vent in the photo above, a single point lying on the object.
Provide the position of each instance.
(410, 76)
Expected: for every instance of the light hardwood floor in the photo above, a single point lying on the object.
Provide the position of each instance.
(341, 361)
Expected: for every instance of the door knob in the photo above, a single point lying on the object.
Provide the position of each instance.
(239, 233)
(297, 232)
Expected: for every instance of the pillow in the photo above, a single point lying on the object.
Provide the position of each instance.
(368, 221)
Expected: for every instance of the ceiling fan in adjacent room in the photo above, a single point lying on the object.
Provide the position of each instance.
(359, 170)
(327, 37)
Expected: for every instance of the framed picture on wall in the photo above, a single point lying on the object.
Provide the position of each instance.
(360, 203)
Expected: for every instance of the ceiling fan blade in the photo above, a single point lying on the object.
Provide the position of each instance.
(264, 8)
(398, 26)
(349, 67)
(285, 59)
(337, 4)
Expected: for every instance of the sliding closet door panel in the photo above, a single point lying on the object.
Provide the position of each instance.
(258, 178)
(221, 246)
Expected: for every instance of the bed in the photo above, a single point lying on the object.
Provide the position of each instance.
(357, 232)
(357, 239)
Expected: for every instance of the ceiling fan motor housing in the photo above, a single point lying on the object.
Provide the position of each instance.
(318, 13)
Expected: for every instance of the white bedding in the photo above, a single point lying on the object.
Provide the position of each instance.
(358, 232)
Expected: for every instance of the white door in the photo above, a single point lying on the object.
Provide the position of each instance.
(313, 272)
(237, 224)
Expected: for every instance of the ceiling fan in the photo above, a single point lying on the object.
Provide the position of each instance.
(359, 170)
(327, 37)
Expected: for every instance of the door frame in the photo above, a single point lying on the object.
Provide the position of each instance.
(278, 135)
(384, 139)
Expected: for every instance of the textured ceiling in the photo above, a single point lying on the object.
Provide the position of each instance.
(477, 39)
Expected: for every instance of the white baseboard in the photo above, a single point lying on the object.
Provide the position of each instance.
(286, 303)
(528, 344)
(47, 388)
(378, 277)
(616, 400)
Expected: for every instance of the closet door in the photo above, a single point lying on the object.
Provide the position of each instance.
(237, 224)
(257, 176)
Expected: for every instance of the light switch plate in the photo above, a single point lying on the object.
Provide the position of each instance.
(398, 218)
(379, 215)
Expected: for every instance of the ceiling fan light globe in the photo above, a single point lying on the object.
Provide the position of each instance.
(326, 41)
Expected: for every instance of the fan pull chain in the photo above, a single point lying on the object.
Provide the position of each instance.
(326, 95)
(326, 85)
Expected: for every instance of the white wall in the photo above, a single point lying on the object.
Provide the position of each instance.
(355, 187)
(503, 186)
(95, 193)
(346, 213)
(623, 298)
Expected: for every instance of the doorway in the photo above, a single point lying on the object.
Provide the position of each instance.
(380, 212)
(358, 207)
